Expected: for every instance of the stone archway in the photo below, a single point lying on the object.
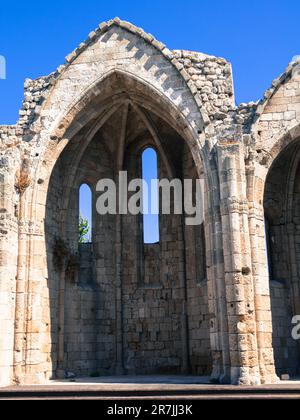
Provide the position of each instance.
(158, 327)
(282, 212)
(76, 107)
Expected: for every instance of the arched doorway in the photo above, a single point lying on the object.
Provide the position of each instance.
(282, 221)
(144, 307)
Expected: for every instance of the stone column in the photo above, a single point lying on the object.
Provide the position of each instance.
(22, 182)
(119, 368)
(216, 287)
(185, 367)
(8, 263)
(237, 263)
(255, 182)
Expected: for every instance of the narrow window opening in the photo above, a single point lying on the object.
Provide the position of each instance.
(85, 214)
(150, 197)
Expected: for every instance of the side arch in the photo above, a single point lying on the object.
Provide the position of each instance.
(264, 209)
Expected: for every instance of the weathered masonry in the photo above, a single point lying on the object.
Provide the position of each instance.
(215, 299)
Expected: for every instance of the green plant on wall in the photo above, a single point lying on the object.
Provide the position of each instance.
(83, 230)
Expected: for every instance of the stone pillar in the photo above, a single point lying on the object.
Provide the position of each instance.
(30, 361)
(22, 182)
(185, 367)
(237, 263)
(8, 263)
(119, 368)
(255, 183)
(216, 287)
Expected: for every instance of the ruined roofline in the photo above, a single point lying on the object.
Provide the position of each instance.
(103, 27)
(197, 56)
(100, 30)
(279, 81)
(171, 55)
(41, 86)
(256, 108)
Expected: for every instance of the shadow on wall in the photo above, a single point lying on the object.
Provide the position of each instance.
(282, 211)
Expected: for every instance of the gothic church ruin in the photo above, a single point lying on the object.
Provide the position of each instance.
(215, 299)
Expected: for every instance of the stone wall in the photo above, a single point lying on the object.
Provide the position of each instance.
(285, 348)
(152, 264)
(153, 307)
(282, 218)
(88, 302)
(196, 278)
(212, 77)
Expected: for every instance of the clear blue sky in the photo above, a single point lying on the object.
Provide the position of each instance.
(149, 172)
(259, 37)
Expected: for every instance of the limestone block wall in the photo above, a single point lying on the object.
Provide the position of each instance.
(151, 264)
(197, 292)
(88, 304)
(153, 300)
(52, 267)
(273, 157)
(285, 348)
(153, 309)
(213, 79)
(282, 218)
(9, 238)
(279, 112)
(81, 321)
